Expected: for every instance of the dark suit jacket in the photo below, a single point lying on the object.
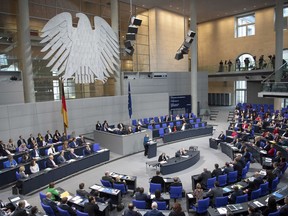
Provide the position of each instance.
(33, 153)
(158, 180)
(284, 210)
(92, 209)
(47, 137)
(108, 178)
(129, 212)
(30, 140)
(20, 212)
(154, 212)
(203, 178)
(68, 208)
(215, 192)
(49, 163)
(234, 195)
(217, 172)
(52, 204)
(19, 142)
(82, 193)
(141, 196)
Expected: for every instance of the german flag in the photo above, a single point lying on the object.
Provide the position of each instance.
(64, 108)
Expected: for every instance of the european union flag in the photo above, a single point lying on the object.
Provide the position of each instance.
(129, 101)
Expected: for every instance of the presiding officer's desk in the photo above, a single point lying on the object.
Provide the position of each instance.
(44, 177)
(131, 181)
(257, 203)
(177, 164)
(122, 144)
(112, 193)
(193, 132)
(78, 202)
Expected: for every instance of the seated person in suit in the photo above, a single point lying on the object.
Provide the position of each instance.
(203, 177)
(236, 192)
(107, 177)
(138, 128)
(154, 211)
(50, 162)
(282, 164)
(176, 182)
(87, 150)
(3, 150)
(276, 170)
(65, 145)
(140, 195)
(22, 173)
(20, 209)
(284, 208)
(10, 146)
(35, 152)
(98, 126)
(48, 201)
(228, 168)
(81, 141)
(51, 150)
(272, 151)
(91, 207)
(221, 136)
(181, 152)
(271, 207)
(129, 130)
(81, 191)
(56, 137)
(130, 211)
(157, 179)
(48, 137)
(158, 196)
(73, 143)
(163, 157)
(20, 141)
(11, 161)
(118, 181)
(61, 159)
(23, 147)
(217, 171)
(215, 192)
(30, 141)
(66, 207)
(54, 192)
(40, 140)
(168, 129)
(72, 155)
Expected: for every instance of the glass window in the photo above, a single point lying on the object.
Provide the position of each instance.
(240, 92)
(245, 26)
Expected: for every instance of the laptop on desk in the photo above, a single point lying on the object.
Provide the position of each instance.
(234, 207)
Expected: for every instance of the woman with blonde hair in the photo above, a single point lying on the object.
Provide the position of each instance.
(198, 192)
(22, 173)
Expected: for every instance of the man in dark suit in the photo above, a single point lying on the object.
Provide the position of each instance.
(130, 211)
(50, 162)
(235, 193)
(107, 177)
(237, 166)
(140, 195)
(202, 178)
(91, 207)
(72, 155)
(284, 209)
(154, 211)
(48, 137)
(47, 201)
(157, 179)
(73, 143)
(217, 171)
(66, 207)
(215, 192)
(20, 210)
(98, 125)
(81, 192)
(31, 139)
(35, 152)
(21, 140)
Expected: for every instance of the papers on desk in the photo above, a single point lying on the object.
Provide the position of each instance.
(234, 207)
(77, 199)
(71, 160)
(258, 204)
(278, 195)
(190, 196)
(152, 196)
(101, 150)
(262, 172)
(238, 185)
(47, 169)
(185, 156)
(222, 210)
(64, 194)
(268, 160)
(226, 189)
(251, 179)
(96, 187)
(163, 162)
(15, 199)
(263, 152)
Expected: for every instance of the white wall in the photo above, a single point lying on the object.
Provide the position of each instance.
(23, 119)
(11, 92)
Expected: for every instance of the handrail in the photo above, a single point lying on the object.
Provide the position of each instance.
(268, 77)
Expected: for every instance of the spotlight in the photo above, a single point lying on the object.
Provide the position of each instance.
(191, 33)
(179, 55)
(128, 43)
(184, 50)
(132, 29)
(189, 40)
(135, 21)
(130, 36)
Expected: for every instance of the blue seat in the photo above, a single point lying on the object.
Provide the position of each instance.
(274, 184)
(222, 179)
(96, 147)
(46, 151)
(161, 132)
(154, 187)
(42, 196)
(285, 168)
(196, 125)
(157, 126)
(244, 172)
(191, 121)
(175, 192)
(221, 201)
(248, 166)
(106, 183)
(255, 194)
(59, 148)
(17, 175)
(146, 121)
(139, 204)
(6, 164)
(232, 177)
(210, 182)
(264, 188)
(121, 187)
(242, 198)
(19, 160)
(164, 125)
(134, 122)
(150, 127)
(178, 123)
(161, 205)
(171, 124)
(277, 213)
(48, 210)
(63, 212)
(202, 206)
(198, 120)
(79, 213)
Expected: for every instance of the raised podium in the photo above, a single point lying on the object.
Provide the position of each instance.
(152, 150)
